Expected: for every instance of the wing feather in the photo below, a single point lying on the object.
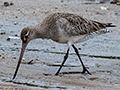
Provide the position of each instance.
(82, 25)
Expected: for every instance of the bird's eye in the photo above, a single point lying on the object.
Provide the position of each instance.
(26, 36)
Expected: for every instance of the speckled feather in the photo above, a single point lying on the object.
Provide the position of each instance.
(79, 25)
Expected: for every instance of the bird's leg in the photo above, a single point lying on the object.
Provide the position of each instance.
(84, 68)
(65, 58)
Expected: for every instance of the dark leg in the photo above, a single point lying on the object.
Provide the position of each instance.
(65, 58)
(84, 68)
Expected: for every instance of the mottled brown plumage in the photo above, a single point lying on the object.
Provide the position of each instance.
(60, 27)
(63, 28)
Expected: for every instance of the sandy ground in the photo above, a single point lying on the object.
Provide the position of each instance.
(100, 54)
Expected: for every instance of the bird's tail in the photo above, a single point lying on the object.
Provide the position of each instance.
(109, 25)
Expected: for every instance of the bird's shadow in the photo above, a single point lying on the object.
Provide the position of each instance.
(65, 73)
(29, 63)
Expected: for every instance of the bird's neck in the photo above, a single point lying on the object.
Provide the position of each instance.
(39, 32)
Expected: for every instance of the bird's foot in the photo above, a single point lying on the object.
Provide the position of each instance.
(85, 70)
(56, 74)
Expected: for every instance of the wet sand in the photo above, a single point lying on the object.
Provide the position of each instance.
(100, 54)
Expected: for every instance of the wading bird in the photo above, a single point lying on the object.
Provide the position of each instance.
(63, 28)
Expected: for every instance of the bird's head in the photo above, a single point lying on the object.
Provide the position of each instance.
(27, 34)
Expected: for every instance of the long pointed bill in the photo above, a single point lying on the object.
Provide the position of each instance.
(20, 58)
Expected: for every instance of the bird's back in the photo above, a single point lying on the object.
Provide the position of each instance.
(65, 24)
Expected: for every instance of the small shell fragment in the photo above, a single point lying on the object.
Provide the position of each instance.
(23, 59)
(104, 8)
(97, 65)
(118, 3)
(8, 39)
(14, 37)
